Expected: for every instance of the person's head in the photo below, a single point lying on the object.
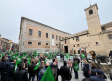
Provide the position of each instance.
(36, 60)
(69, 59)
(21, 65)
(5, 58)
(14, 61)
(56, 59)
(24, 58)
(54, 64)
(46, 65)
(33, 61)
(53, 60)
(42, 62)
(65, 63)
(85, 61)
(93, 64)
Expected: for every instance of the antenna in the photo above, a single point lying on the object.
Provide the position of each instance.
(89, 2)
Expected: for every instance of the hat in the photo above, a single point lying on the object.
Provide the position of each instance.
(99, 72)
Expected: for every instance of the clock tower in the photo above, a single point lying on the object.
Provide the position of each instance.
(93, 20)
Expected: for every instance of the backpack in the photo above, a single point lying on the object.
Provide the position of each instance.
(54, 72)
(42, 71)
(85, 70)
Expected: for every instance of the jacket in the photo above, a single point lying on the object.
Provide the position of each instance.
(97, 78)
(31, 70)
(65, 73)
(40, 76)
(73, 64)
(39, 68)
(20, 75)
(52, 64)
(58, 72)
(86, 66)
(7, 70)
(69, 63)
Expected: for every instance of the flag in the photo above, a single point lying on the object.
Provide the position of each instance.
(67, 56)
(48, 75)
(37, 65)
(45, 60)
(55, 54)
(17, 62)
(35, 54)
(83, 56)
(76, 67)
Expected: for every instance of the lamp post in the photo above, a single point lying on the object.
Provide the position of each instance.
(85, 50)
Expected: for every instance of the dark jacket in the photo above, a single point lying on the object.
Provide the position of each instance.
(7, 70)
(31, 70)
(58, 72)
(73, 64)
(97, 78)
(86, 66)
(20, 75)
(78, 61)
(65, 73)
(52, 65)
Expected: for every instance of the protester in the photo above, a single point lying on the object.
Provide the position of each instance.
(93, 68)
(40, 67)
(65, 72)
(21, 74)
(56, 71)
(93, 55)
(75, 72)
(7, 70)
(99, 76)
(86, 70)
(42, 71)
(53, 60)
(70, 64)
(31, 71)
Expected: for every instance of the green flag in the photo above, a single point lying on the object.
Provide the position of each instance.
(67, 56)
(83, 56)
(35, 54)
(76, 67)
(37, 65)
(45, 60)
(48, 75)
(17, 62)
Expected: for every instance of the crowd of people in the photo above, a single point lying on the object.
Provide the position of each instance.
(25, 71)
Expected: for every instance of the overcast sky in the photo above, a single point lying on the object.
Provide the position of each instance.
(65, 15)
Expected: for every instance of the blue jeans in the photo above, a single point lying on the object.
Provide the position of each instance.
(33, 78)
(76, 74)
(65, 80)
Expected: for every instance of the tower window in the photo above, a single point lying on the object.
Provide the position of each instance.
(90, 12)
(96, 43)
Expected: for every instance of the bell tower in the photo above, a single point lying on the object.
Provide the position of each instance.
(93, 20)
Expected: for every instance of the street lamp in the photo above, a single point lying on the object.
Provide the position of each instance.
(85, 50)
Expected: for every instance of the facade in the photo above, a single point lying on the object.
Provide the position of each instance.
(39, 37)
(97, 38)
(0, 43)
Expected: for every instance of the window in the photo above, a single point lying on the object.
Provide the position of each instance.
(46, 35)
(90, 12)
(110, 36)
(65, 41)
(39, 33)
(52, 36)
(29, 43)
(74, 45)
(46, 44)
(30, 32)
(96, 43)
(62, 38)
(78, 45)
(39, 43)
(77, 38)
(59, 37)
(56, 44)
(73, 38)
(56, 37)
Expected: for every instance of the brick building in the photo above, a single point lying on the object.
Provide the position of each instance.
(38, 36)
(98, 37)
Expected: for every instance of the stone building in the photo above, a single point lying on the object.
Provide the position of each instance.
(39, 37)
(97, 38)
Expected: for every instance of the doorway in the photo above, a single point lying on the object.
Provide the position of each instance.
(78, 51)
(66, 49)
